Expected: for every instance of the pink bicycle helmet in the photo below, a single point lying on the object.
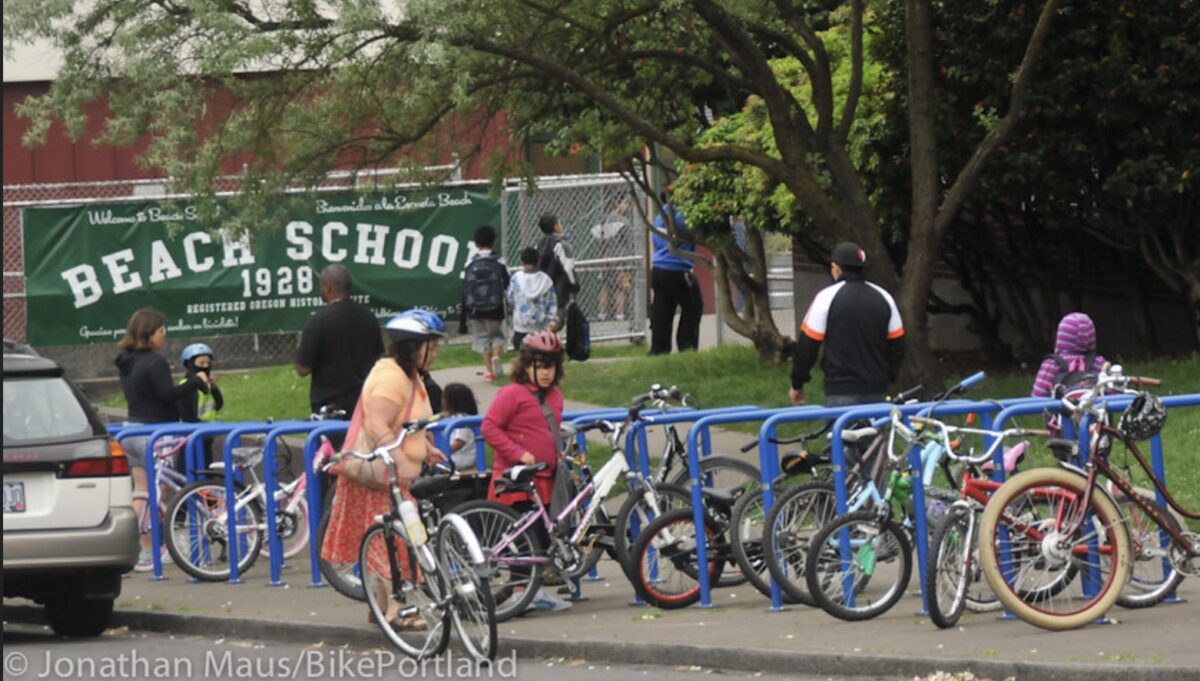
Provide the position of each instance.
(543, 341)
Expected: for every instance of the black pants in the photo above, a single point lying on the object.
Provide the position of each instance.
(674, 290)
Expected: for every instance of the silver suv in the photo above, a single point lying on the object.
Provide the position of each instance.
(69, 527)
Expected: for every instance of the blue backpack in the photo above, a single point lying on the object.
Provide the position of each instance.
(483, 282)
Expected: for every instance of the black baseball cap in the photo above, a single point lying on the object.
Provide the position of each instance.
(848, 254)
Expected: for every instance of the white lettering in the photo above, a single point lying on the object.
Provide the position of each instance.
(298, 233)
(407, 251)
(189, 252)
(84, 285)
(327, 249)
(237, 252)
(442, 254)
(118, 268)
(162, 265)
(371, 240)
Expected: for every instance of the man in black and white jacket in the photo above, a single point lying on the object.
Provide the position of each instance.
(859, 324)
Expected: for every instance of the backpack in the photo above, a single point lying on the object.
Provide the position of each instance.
(579, 333)
(548, 262)
(483, 283)
(1074, 374)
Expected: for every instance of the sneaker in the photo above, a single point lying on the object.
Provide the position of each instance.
(497, 367)
(547, 603)
(489, 377)
(145, 561)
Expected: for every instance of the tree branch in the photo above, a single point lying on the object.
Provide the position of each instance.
(856, 71)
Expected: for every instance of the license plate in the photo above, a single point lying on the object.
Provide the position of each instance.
(14, 497)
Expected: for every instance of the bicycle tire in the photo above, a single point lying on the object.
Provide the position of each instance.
(788, 529)
(1030, 550)
(1147, 585)
(192, 548)
(883, 542)
(746, 523)
(343, 577)
(731, 472)
(951, 568)
(472, 608)
(725, 471)
(421, 600)
(670, 497)
(512, 590)
(676, 552)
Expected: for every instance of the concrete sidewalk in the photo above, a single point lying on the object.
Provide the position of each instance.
(1155, 643)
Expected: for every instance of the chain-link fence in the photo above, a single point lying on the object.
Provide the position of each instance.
(781, 288)
(606, 232)
(610, 260)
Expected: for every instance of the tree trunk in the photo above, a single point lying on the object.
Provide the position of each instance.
(747, 271)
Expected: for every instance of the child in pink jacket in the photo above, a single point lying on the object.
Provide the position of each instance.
(519, 431)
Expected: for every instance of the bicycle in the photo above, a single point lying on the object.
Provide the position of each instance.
(452, 583)
(953, 580)
(197, 520)
(1082, 526)
(859, 564)
(648, 499)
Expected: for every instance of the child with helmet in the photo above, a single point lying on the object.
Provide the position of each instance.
(204, 400)
(522, 426)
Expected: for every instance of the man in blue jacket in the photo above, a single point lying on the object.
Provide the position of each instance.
(673, 286)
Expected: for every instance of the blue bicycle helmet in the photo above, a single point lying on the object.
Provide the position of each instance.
(193, 351)
(415, 323)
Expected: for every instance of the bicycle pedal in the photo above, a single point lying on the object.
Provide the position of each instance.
(409, 611)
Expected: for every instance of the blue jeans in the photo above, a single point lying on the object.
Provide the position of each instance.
(848, 400)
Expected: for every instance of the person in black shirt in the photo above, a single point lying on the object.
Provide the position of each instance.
(151, 396)
(860, 326)
(339, 345)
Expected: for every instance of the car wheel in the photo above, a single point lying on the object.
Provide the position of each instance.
(76, 617)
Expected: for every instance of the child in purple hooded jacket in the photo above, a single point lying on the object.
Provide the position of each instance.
(1076, 339)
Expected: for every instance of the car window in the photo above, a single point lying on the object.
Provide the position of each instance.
(38, 409)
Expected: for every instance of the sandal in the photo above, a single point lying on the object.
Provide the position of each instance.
(410, 623)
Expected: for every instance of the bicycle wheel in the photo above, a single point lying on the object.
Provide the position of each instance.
(1034, 529)
(345, 578)
(292, 527)
(787, 532)
(724, 471)
(513, 579)
(636, 506)
(472, 608)
(953, 580)
(197, 531)
(1151, 576)
(746, 540)
(860, 558)
(419, 624)
(666, 567)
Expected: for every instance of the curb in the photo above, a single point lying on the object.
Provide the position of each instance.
(779, 662)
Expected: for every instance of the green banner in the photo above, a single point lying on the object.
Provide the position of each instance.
(89, 267)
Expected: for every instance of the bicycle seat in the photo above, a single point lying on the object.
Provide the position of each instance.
(722, 497)
(1012, 456)
(427, 487)
(522, 473)
(247, 456)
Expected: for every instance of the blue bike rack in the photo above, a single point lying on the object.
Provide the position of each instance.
(312, 487)
(701, 430)
(155, 432)
(269, 449)
(232, 440)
